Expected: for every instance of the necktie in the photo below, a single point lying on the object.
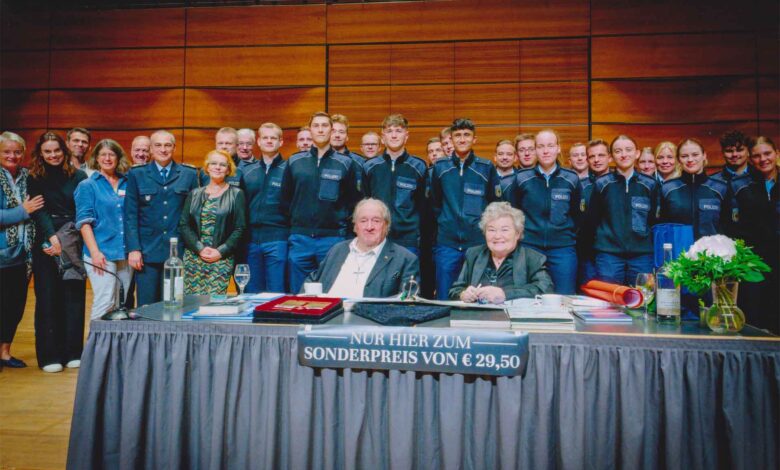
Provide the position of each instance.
(164, 173)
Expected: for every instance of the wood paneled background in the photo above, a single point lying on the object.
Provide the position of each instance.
(654, 69)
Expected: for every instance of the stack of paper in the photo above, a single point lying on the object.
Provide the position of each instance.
(528, 314)
(479, 318)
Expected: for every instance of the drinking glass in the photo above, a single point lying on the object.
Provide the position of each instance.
(242, 277)
(645, 282)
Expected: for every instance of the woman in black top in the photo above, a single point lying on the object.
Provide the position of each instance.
(59, 304)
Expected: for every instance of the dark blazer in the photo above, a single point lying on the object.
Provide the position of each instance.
(230, 225)
(529, 273)
(393, 268)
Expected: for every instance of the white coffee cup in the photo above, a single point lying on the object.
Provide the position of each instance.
(549, 300)
(312, 288)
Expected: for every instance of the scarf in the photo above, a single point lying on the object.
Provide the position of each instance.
(12, 232)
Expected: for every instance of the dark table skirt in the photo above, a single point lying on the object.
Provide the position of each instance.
(193, 395)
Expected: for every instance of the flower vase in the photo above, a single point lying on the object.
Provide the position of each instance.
(723, 316)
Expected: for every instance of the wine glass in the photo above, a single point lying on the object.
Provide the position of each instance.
(242, 277)
(645, 282)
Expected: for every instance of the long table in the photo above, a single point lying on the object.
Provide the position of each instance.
(179, 394)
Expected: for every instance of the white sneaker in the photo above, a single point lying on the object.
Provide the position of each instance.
(74, 364)
(52, 368)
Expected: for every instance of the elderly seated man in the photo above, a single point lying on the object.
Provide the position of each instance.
(368, 265)
(501, 269)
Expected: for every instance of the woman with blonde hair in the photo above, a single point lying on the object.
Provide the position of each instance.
(17, 233)
(212, 223)
(666, 165)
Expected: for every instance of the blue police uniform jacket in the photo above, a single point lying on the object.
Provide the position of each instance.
(320, 195)
(551, 207)
(263, 188)
(401, 184)
(623, 213)
(360, 163)
(506, 183)
(153, 207)
(460, 191)
(696, 200)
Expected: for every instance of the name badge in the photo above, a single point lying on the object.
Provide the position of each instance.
(121, 193)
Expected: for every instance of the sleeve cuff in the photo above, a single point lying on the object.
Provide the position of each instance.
(86, 221)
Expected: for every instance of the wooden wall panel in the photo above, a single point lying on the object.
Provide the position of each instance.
(367, 65)
(23, 109)
(669, 16)
(290, 107)
(24, 70)
(116, 109)
(426, 105)
(769, 98)
(682, 101)
(770, 129)
(24, 29)
(488, 104)
(673, 55)
(554, 59)
(363, 106)
(554, 103)
(651, 135)
(256, 25)
(106, 29)
(456, 20)
(768, 53)
(117, 68)
(488, 62)
(256, 66)
(422, 63)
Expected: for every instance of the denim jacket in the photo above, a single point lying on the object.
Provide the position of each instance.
(99, 206)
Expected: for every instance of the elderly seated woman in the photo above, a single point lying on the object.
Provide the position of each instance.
(501, 269)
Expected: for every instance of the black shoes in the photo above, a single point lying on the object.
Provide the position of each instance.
(13, 363)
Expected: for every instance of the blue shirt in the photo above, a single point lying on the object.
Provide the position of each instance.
(98, 205)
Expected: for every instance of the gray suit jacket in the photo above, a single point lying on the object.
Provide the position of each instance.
(528, 273)
(393, 268)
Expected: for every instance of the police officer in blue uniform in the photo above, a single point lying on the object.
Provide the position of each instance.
(268, 223)
(338, 141)
(153, 203)
(399, 180)
(319, 191)
(694, 198)
(462, 185)
(549, 195)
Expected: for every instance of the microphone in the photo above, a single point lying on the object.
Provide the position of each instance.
(119, 312)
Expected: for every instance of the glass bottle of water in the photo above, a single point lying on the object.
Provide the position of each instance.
(668, 295)
(173, 277)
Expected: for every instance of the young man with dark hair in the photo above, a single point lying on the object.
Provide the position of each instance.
(398, 179)
(462, 185)
(735, 147)
(319, 191)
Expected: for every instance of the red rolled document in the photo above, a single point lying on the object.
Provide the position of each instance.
(615, 293)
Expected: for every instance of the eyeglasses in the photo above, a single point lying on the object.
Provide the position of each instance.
(369, 145)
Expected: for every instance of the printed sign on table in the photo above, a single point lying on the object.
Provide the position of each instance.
(419, 349)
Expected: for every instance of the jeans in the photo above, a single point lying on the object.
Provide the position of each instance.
(267, 262)
(448, 262)
(105, 287)
(148, 283)
(562, 266)
(622, 270)
(586, 270)
(304, 255)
